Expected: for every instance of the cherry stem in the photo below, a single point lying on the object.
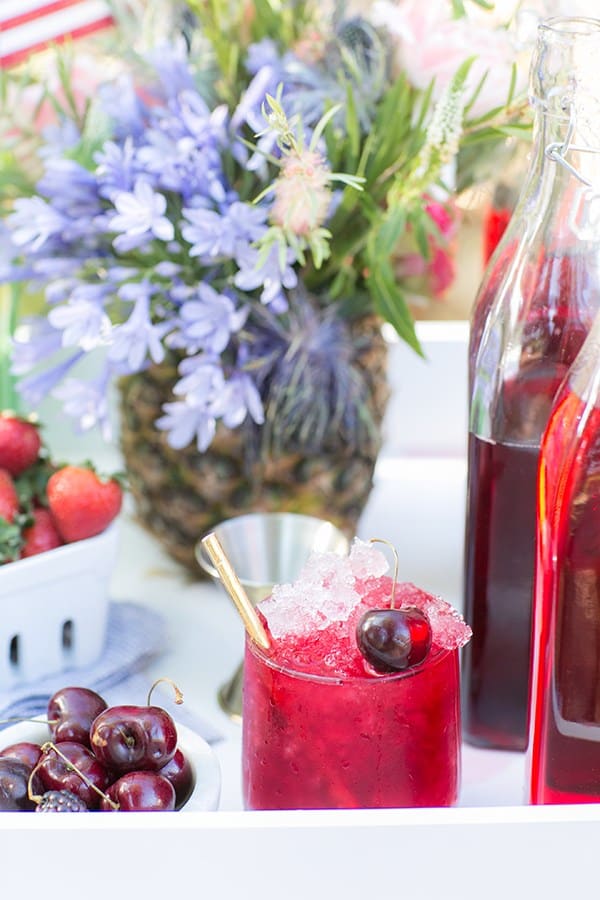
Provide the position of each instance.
(46, 748)
(178, 693)
(35, 798)
(28, 719)
(396, 565)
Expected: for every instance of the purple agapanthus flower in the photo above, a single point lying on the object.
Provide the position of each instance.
(155, 247)
(191, 419)
(138, 338)
(267, 272)
(116, 168)
(171, 65)
(82, 320)
(225, 234)
(34, 222)
(120, 101)
(208, 321)
(140, 217)
(238, 399)
(207, 396)
(87, 402)
(35, 341)
(37, 385)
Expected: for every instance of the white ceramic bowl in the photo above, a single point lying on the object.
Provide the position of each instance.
(207, 772)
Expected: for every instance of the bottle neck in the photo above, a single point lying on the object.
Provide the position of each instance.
(555, 137)
(563, 177)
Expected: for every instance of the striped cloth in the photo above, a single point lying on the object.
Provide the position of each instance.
(29, 25)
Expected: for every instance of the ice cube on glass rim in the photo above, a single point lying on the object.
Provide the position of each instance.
(366, 560)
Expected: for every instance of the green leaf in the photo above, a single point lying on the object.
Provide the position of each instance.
(390, 127)
(322, 124)
(419, 222)
(513, 85)
(389, 302)
(11, 541)
(352, 129)
(385, 239)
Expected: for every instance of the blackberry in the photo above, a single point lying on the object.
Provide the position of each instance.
(60, 801)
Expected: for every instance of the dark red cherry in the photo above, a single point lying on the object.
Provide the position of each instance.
(141, 792)
(14, 777)
(71, 712)
(394, 639)
(180, 773)
(25, 751)
(57, 775)
(127, 738)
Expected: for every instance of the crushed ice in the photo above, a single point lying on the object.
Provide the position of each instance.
(324, 592)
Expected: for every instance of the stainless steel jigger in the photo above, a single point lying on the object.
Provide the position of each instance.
(266, 549)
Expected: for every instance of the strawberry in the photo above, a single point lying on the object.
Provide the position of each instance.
(42, 535)
(9, 501)
(10, 531)
(20, 443)
(81, 503)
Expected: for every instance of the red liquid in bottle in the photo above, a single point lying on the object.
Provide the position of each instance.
(499, 575)
(501, 505)
(565, 748)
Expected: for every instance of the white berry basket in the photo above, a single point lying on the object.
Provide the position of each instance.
(54, 609)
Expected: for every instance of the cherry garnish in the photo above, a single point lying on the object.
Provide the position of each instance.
(393, 639)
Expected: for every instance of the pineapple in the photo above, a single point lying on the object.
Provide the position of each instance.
(182, 494)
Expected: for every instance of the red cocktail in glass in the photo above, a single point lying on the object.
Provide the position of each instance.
(322, 729)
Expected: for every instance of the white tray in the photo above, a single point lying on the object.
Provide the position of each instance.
(491, 846)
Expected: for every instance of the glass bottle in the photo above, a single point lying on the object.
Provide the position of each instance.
(534, 309)
(564, 749)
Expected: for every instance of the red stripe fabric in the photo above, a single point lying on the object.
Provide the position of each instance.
(44, 9)
(13, 59)
(47, 22)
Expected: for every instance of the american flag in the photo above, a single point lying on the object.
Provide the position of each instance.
(29, 25)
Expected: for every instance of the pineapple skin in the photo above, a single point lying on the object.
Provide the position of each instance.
(179, 495)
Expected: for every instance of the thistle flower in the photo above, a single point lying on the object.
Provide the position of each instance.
(302, 193)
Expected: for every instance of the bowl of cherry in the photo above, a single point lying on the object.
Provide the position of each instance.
(88, 756)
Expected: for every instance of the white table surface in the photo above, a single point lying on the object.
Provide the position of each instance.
(490, 846)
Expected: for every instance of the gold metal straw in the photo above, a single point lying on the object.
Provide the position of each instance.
(234, 588)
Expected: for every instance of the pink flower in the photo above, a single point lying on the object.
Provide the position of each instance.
(302, 194)
(435, 275)
(431, 44)
(442, 216)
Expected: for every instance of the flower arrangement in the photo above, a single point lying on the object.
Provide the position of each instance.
(233, 199)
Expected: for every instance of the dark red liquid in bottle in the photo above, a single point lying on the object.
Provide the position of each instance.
(502, 499)
(565, 751)
(499, 575)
